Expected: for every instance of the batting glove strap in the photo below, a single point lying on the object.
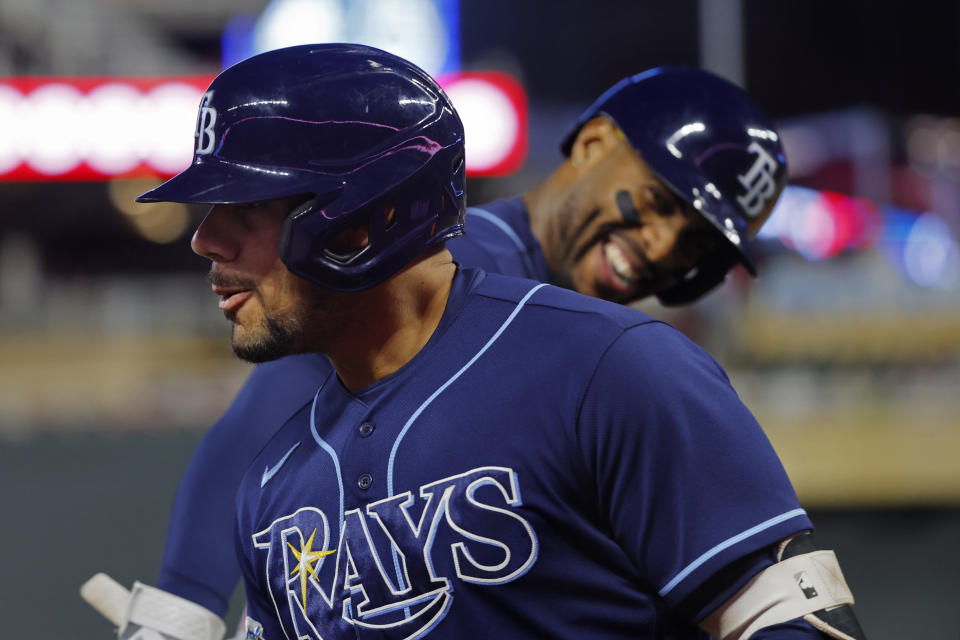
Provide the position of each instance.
(790, 589)
(154, 614)
(837, 622)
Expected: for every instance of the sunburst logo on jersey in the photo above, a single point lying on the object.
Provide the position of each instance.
(307, 562)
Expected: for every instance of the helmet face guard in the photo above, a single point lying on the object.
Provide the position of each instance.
(711, 145)
(357, 129)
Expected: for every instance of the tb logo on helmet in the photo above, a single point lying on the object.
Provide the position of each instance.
(206, 118)
(759, 181)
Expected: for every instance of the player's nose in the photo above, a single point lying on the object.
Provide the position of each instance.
(657, 237)
(215, 238)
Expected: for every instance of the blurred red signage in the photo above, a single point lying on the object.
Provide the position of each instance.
(98, 128)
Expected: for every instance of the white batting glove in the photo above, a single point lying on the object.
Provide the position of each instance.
(148, 613)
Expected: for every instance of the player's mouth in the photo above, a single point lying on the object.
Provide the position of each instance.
(233, 290)
(231, 298)
(621, 268)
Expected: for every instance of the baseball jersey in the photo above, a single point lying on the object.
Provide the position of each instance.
(549, 465)
(197, 565)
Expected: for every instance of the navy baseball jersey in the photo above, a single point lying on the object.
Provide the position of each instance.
(197, 565)
(548, 466)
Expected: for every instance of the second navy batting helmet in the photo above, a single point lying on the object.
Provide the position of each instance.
(712, 146)
(369, 138)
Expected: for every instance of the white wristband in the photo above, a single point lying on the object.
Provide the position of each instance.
(172, 615)
(789, 589)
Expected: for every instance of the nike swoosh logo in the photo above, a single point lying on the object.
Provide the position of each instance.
(269, 472)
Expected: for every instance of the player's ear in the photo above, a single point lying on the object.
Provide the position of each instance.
(594, 141)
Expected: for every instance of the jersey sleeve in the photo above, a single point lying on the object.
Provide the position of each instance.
(197, 565)
(685, 476)
(199, 562)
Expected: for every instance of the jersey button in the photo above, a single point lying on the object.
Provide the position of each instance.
(364, 481)
(366, 429)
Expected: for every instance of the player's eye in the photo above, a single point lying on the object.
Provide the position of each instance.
(662, 203)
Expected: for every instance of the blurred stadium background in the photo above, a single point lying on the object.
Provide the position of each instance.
(115, 359)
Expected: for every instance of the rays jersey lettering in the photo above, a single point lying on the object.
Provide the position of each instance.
(759, 181)
(390, 572)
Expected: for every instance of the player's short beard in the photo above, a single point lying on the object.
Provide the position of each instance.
(282, 333)
(273, 336)
(276, 339)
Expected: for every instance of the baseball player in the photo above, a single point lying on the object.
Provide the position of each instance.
(589, 216)
(487, 455)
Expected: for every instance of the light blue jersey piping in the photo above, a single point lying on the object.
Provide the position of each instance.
(433, 396)
(500, 224)
(326, 447)
(442, 388)
(729, 542)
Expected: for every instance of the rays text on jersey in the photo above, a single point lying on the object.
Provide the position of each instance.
(397, 560)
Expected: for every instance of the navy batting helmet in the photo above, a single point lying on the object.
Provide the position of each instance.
(368, 137)
(712, 146)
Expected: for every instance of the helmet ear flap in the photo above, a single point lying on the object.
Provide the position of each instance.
(359, 248)
(290, 223)
(303, 207)
(691, 289)
(699, 280)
